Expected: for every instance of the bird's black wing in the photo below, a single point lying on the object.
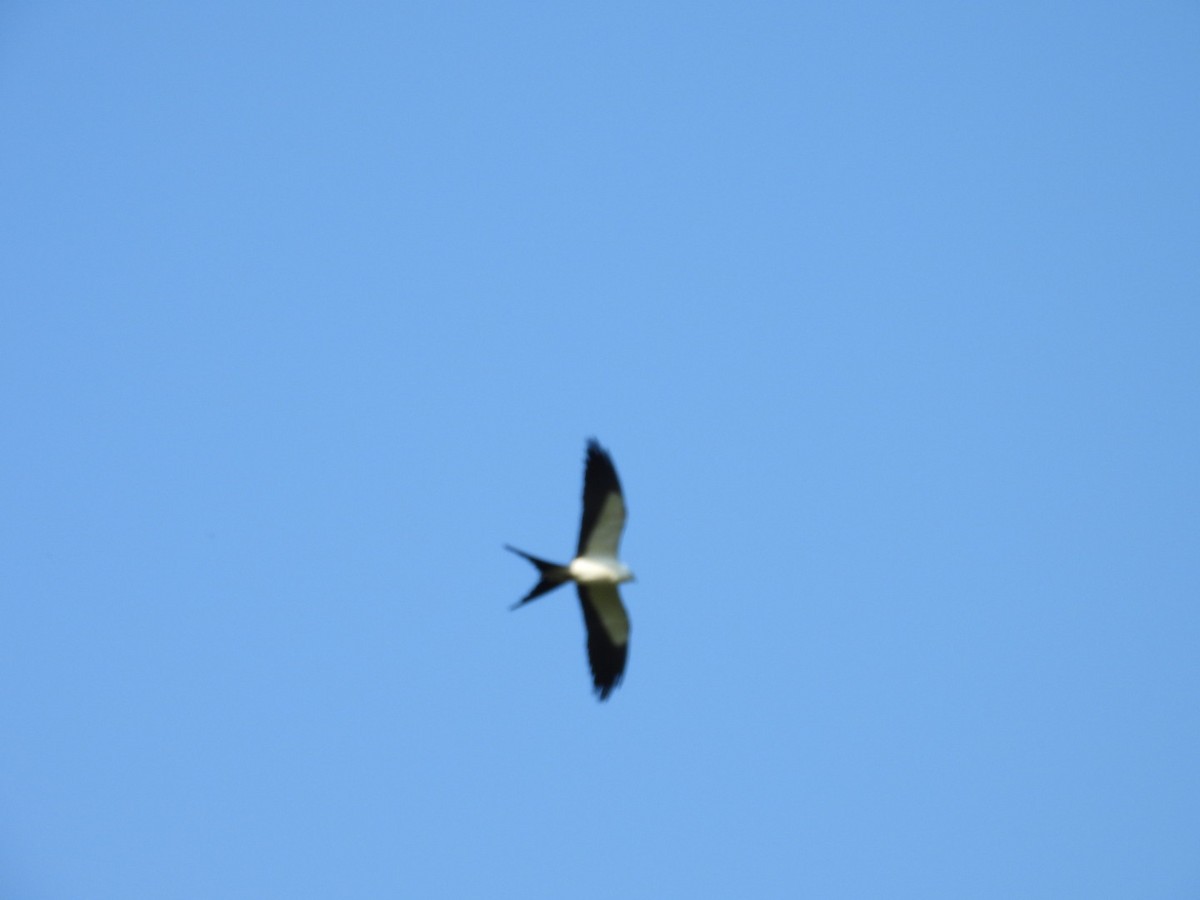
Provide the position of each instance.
(603, 506)
(607, 635)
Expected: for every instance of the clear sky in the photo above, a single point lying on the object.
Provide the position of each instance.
(889, 314)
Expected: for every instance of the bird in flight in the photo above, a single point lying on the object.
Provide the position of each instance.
(596, 571)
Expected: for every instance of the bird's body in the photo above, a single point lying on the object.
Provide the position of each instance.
(596, 571)
(586, 570)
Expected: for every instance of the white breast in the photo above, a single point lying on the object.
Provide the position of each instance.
(591, 570)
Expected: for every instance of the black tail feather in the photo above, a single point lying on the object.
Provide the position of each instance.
(553, 575)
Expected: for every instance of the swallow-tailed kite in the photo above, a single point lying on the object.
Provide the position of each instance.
(596, 571)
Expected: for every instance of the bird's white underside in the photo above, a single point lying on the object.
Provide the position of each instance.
(598, 570)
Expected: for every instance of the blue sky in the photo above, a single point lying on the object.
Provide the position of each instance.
(887, 312)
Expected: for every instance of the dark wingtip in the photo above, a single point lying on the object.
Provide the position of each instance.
(604, 691)
(597, 453)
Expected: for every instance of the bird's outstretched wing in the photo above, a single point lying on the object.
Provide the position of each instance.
(607, 634)
(603, 506)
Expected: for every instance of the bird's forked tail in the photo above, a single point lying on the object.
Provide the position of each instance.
(553, 575)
